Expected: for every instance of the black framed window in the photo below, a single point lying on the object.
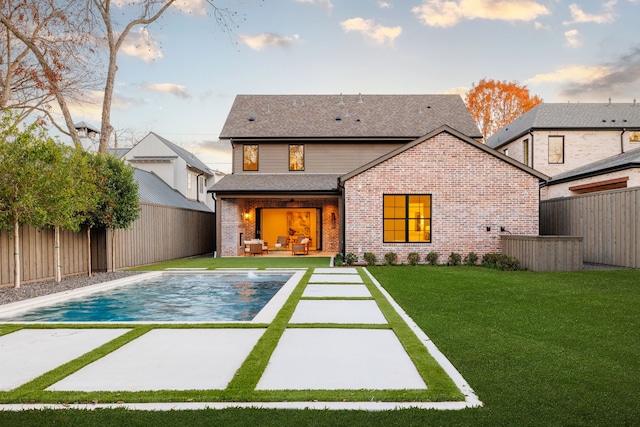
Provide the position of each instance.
(556, 149)
(407, 218)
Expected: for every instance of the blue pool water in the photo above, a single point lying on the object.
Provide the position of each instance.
(169, 298)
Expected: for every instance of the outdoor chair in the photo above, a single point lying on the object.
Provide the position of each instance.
(282, 242)
(301, 248)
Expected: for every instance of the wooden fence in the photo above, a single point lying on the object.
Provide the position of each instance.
(545, 253)
(161, 233)
(609, 221)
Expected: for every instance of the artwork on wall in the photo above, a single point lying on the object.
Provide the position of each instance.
(299, 223)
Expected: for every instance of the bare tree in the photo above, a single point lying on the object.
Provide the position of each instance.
(53, 29)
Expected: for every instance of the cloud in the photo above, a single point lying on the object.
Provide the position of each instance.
(170, 88)
(580, 17)
(372, 31)
(460, 90)
(384, 4)
(572, 38)
(139, 44)
(324, 4)
(618, 79)
(196, 7)
(443, 13)
(264, 40)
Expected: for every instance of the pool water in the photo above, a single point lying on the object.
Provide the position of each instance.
(169, 298)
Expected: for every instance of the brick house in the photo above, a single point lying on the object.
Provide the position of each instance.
(369, 173)
(582, 147)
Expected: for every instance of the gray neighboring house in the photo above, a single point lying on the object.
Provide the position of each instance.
(582, 147)
(180, 169)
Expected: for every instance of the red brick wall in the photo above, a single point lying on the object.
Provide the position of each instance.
(470, 190)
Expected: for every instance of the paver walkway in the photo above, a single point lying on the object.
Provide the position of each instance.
(305, 358)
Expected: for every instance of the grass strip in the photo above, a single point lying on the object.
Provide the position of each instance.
(440, 385)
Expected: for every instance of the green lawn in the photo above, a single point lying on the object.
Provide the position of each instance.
(550, 349)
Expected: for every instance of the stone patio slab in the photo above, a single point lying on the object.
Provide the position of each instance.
(168, 359)
(338, 311)
(28, 353)
(333, 359)
(335, 278)
(336, 270)
(344, 291)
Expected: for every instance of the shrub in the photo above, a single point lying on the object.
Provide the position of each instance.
(413, 258)
(350, 258)
(338, 260)
(471, 259)
(391, 258)
(454, 259)
(370, 258)
(432, 258)
(500, 262)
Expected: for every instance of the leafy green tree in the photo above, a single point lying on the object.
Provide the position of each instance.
(117, 203)
(27, 157)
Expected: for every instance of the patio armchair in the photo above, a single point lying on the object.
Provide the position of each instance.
(283, 241)
(300, 248)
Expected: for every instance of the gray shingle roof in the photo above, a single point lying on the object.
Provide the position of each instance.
(153, 190)
(277, 183)
(189, 157)
(569, 116)
(360, 116)
(630, 159)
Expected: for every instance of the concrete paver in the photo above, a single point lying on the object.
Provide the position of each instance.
(333, 359)
(168, 359)
(335, 278)
(28, 353)
(338, 311)
(343, 291)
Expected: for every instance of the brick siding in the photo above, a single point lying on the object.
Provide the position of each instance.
(471, 190)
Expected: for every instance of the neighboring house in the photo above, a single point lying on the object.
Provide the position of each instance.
(556, 138)
(561, 140)
(179, 168)
(369, 173)
(617, 171)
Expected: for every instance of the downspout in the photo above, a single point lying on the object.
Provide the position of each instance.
(532, 151)
(623, 130)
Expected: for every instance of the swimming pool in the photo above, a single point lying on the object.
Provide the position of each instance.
(168, 297)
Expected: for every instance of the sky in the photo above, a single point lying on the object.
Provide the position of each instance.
(178, 77)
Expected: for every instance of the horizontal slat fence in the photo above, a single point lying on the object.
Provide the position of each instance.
(609, 221)
(161, 233)
(545, 253)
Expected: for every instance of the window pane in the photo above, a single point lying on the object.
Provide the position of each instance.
(556, 149)
(296, 157)
(250, 157)
(407, 218)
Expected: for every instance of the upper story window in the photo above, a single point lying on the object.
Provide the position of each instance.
(296, 157)
(556, 149)
(250, 157)
(407, 218)
(525, 152)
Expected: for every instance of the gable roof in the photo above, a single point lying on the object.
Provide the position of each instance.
(458, 135)
(153, 190)
(187, 156)
(277, 184)
(569, 116)
(618, 162)
(345, 116)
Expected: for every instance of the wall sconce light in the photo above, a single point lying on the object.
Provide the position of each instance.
(488, 228)
(333, 220)
(246, 215)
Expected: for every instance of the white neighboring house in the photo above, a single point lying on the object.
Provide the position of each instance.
(177, 167)
(583, 147)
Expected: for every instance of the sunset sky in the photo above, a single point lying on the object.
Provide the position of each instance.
(179, 77)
